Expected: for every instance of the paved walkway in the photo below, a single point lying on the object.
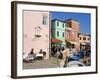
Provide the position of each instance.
(45, 63)
(53, 62)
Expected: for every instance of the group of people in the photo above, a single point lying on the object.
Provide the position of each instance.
(86, 54)
(40, 52)
(58, 50)
(62, 53)
(32, 55)
(66, 54)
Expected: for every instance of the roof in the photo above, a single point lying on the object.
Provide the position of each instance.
(58, 20)
(55, 40)
(71, 19)
(65, 20)
(85, 34)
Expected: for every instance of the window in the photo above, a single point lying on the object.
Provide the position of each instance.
(44, 22)
(63, 34)
(78, 35)
(67, 25)
(57, 33)
(88, 39)
(80, 38)
(84, 38)
(57, 23)
(63, 25)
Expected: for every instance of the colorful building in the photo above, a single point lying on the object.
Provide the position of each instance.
(84, 39)
(40, 32)
(36, 31)
(72, 33)
(58, 32)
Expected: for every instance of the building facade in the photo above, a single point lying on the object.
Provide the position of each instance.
(58, 31)
(85, 40)
(36, 31)
(72, 33)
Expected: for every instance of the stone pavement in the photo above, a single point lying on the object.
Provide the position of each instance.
(53, 62)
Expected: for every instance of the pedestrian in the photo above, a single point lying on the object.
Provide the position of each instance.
(65, 57)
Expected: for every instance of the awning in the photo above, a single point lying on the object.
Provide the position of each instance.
(55, 41)
(73, 42)
(85, 43)
(69, 29)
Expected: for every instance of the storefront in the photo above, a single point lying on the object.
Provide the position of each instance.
(56, 42)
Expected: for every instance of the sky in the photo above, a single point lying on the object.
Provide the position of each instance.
(83, 18)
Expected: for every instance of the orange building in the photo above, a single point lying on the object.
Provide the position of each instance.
(72, 33)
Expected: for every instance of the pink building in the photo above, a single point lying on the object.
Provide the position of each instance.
(36, 28)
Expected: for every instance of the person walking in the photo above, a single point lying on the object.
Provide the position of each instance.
(65, 57)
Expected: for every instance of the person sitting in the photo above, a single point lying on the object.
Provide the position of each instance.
(32, 51)
(44, 53)
(41, 51)
(31, 55)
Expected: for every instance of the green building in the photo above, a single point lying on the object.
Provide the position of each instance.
(58, 32)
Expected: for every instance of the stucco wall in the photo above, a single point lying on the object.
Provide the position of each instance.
(31, 20)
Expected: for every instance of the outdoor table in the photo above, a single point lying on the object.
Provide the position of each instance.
(39, 56)
(25, 56)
